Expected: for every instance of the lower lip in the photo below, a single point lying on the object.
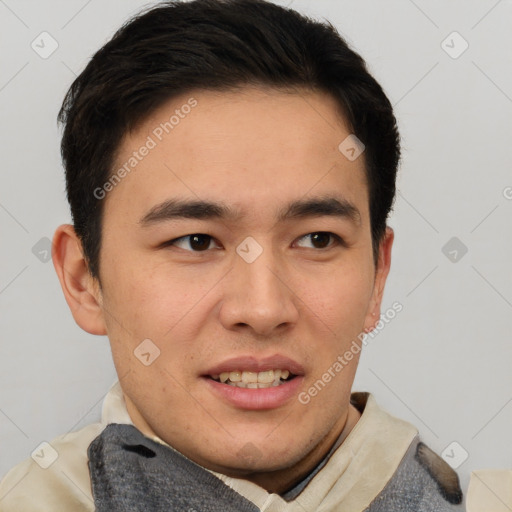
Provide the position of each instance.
(256, 398)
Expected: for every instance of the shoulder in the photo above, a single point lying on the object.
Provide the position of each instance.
(55, 477)
(423, 482)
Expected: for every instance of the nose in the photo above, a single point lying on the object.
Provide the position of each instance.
(258, 296)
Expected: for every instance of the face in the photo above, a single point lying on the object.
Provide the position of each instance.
(278, 276)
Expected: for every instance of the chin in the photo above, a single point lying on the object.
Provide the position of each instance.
(239, 468)
(252, 458)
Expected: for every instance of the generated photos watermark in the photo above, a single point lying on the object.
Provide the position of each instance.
(157, 135)
(344, 359)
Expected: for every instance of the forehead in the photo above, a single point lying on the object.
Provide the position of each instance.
(252, 148)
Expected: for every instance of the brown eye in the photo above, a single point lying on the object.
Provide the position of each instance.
(320, 239)
(197, 242)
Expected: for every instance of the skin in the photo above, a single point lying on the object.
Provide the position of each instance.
(256, 149)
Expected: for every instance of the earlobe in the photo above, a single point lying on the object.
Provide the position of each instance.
(80, 289)
(381, 275)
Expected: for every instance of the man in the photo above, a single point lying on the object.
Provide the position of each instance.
(259, 133)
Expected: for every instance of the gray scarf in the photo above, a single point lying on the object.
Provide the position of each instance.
(132, 473)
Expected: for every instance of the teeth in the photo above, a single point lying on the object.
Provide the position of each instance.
(266, 377)
(235, 376)
(254, 385)
(253, 380)
(249, 377)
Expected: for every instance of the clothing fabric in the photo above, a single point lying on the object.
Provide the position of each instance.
(382, 465)
(490, 490)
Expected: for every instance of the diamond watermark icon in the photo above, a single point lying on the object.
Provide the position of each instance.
(249, 249)
(454, 249)
(44, 455)
(44, 45)
(351, 147)
(455, 454)
(42, 250)
(146, 352)
(250, 453)
(454, 45)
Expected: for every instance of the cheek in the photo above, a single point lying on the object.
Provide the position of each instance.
(140, 295)
(340, 299)
(162, 305)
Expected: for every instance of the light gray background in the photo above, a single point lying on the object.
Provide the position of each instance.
(444, 363)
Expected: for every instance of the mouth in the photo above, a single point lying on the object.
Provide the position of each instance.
(254, 380)
(254, 383)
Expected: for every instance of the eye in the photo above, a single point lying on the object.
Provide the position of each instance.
(199, 242)
(321, 238)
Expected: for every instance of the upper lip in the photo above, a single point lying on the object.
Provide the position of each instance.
(254, 364)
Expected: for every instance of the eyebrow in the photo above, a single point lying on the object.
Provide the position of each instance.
(177, 208)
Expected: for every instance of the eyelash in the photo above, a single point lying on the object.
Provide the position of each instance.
(338, 241)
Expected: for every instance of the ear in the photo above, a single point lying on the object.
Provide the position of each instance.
(381, 274)
(81, 291)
